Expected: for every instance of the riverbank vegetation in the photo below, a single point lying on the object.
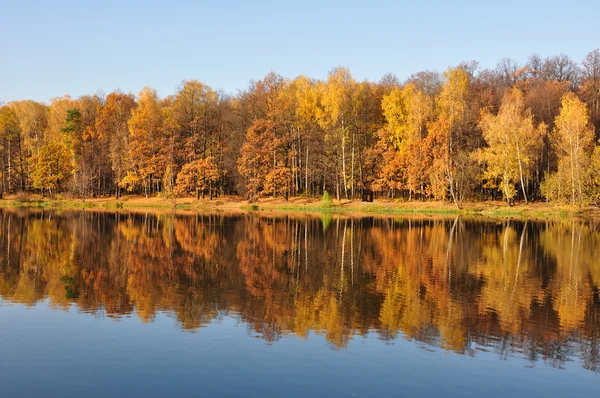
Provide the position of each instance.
(349, 207)
(525, 133)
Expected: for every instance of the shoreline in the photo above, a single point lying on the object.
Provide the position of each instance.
(306, 205)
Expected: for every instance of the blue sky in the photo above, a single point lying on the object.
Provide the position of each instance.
(51, 48)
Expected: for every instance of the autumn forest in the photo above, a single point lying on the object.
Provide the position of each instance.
(518, 132)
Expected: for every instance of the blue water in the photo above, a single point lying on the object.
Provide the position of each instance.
(143, 305)
(48, 352)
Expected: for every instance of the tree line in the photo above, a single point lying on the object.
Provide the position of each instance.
(516, 132)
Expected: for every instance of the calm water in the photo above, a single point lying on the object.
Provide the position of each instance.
(105, 304)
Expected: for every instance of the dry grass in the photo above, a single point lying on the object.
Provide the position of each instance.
(303, 204)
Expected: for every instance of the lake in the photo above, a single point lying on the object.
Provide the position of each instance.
(96, 304)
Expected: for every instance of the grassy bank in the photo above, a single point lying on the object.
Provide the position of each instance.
(490, 209)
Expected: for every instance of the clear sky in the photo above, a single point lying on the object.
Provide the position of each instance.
(50, 48)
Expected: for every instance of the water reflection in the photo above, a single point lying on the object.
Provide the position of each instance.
(519, 288)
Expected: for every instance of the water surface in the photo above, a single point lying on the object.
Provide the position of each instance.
(140, 304)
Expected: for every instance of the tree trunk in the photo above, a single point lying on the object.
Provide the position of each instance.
(452, 193)
(344, 158)
(352, 166)
(9, 167)
(360, 171)
(521, 174)
(337, 187)
(572, 173)
(306, 166)
(21, 166)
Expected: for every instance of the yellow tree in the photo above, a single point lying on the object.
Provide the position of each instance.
(407, 112)
(193, 107)
(113, 132)
(88, 153)
(512, 143)
(451, 105)
(56, 117)
(592, 188)
(33, 121)
(148, 142)
(420, 107)
(307, 97)
(573, 137)
(52, 168)
(335, 104)
(10, 138)
(197, 177)
(366, 119)
(266, 157)
(310, 134)
(393, 142)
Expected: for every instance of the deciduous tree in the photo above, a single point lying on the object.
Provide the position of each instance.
(573, 137)
(512, 142)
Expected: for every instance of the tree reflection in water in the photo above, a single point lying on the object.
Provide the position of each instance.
(520, 288)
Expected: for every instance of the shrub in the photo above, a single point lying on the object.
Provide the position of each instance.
(326, 200)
